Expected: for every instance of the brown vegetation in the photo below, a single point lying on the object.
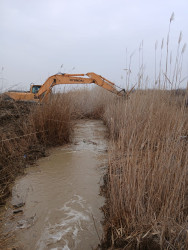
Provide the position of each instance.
(53, 121)
(146, 187)
(89, 103)
(147, 175)
(146, 183)
(25, 131)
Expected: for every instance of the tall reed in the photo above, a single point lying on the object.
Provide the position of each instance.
(147, 176)
(52, 120)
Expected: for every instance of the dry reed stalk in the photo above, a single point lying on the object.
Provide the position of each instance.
(89, 103)
(25, 131)
(148, 161)
(53, 119)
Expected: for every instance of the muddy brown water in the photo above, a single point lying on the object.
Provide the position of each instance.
(61, 195)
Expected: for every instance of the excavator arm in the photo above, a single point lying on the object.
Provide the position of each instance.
(106, 84)
(39, 93)
(76, 79)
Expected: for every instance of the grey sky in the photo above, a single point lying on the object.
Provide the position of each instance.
(38, 36)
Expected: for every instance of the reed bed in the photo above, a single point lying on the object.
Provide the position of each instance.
(146, 182)
(53, 120)
(89, 103)
(147, 175)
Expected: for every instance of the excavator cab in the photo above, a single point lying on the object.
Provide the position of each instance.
(35, 89)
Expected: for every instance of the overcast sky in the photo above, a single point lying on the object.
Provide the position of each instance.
(38, 36)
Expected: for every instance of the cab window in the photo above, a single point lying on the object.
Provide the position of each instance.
(35, 89)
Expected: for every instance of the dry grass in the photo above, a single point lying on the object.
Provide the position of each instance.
(53, 120)
(89, 103)
(147, 176)
(147, 194)
(25, 131)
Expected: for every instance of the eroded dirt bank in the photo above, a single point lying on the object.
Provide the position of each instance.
(59, 198)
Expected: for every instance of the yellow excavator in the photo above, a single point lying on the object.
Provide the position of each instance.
(40, 93)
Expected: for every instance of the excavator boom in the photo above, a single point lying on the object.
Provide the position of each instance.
(106, 84)
(41, 93)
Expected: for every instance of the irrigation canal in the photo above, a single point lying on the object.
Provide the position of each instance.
(56, 205)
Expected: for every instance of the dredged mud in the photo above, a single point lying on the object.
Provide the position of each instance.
(56, 205)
